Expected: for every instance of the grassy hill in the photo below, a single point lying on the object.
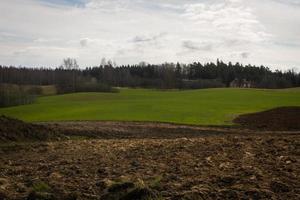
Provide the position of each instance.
(205, 107)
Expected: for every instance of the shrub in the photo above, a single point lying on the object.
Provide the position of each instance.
(88, 86)
(95, 87)
(35, 90)
(274, 82)
(201, 83)
(12, 95)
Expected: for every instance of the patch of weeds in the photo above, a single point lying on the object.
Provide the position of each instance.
(40, 191)
(120, 186)
(41, 187)
(127, 190)
(156, 182)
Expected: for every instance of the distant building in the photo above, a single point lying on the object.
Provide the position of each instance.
(236, 83)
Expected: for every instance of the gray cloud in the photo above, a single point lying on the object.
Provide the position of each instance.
(143, 38)
(245, 55)
(84, 42)
(194, 46)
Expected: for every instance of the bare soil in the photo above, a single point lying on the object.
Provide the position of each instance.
(17, 130)
(283, 118)
(201, 164)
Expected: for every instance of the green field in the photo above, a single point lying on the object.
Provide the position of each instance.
(205, 107)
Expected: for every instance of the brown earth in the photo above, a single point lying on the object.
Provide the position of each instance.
(208, 167)
(283, 118)
(17, 130)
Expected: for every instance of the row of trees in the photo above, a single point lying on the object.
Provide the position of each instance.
(70, 78)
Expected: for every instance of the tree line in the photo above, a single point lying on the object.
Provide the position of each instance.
(70, 78)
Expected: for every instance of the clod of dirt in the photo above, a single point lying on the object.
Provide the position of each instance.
(279, 187)
(257, 194)
(189, 196)
(40, 196)
(128, 190)
(227, 194)
(279, 119)
(226, 181)
(3, 195)
(121, 186)
(17, 130)
(140, 194)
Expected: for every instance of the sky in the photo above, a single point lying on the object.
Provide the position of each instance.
(41, 33)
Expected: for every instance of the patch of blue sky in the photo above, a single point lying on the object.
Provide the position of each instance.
(65, 2)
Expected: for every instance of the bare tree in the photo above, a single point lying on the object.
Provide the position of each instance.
(103, 62)
(70, 64)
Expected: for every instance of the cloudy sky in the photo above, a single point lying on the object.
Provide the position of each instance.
(43, 32)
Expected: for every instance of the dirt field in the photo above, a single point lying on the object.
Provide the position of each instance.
(135, 160)
(283, 118)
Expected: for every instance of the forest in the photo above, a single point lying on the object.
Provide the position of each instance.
(70, 78)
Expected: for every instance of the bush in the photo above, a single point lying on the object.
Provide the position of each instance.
(273, 82)
(89, 86)
(12, 95)
(95, 87)
(35, 90)
(201, 84)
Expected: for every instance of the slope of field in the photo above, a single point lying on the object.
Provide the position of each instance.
(205, 107)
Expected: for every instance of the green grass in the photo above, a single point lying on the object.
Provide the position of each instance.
(205, 107)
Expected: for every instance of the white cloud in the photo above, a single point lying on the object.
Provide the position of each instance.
(226, 21)
(34, 33)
